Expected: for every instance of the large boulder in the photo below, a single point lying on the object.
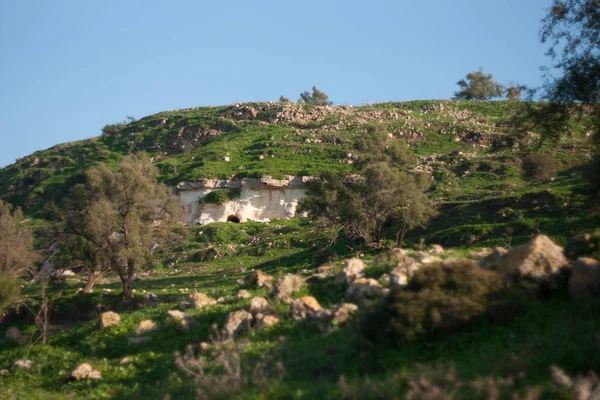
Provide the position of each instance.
(304, 307)
(200, 300)
(365, 291)
(537, 264)
(285, 287)
(493, 260)
(85, 371)
(353, 269)
(109, 318)
(585, 277)
(237, 322)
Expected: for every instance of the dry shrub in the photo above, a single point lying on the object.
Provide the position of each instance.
(538, 167)
(220, 372)
(442, 297)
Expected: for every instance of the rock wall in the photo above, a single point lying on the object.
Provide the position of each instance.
(259, 200)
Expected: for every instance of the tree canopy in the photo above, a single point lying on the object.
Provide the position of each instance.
(478, 86)
(317, 98)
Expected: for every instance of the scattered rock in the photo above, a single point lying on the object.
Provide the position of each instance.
(539, 263)
(493, 260)
(125, 361)
(145, 327)
(364, 291)
(237, 322)
(243, 294)
(139, 340)
(85, 371)
(259, 305)
(66, 273)
(4, 372)
(285, 287)
(582, 245)
(353, 269)
(205, 346)
(13, 334)
(304, 307)
(266, 321)
(200, 300)
(336, 316)
(176, 315)
(437, 249)
(259, 279)
(23, 364)
(109, 318)
(398, 277)
(585, 277)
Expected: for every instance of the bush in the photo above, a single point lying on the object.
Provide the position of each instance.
(538, 167)
(438, 298)
(9, 293)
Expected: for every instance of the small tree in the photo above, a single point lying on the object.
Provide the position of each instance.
(283, 99)
(129, 213)
(384, 197)
(515, 91)
(317, 98)
(478, 86)
(110, 129)
(16, 252)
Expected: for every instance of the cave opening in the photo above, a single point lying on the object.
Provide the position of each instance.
(234, 219)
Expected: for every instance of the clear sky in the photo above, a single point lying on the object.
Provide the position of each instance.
(68, 67)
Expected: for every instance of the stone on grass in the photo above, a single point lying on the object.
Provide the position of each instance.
(285, 287)
(243, 294)
(266, 321)
(398, 277)
(585, 277)
(437, 249)
(259, 305)
(365, 291)
(85, 371)
(145, 327)
(304, 307)
(176, 315)
(125, 361)
(494, 259)
(200, 300)
(537, 264)
(23, 364)
(109, 318)
(13, 334)
(353, 269)
(4, 372)
(259, 279)
(334, 317)
(237, 322)
(185, 324)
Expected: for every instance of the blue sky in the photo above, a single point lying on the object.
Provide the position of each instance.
(68, 67)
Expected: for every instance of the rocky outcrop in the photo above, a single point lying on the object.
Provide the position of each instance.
(585, 277)
(237, 322)
(336, 316)
(365, 291)
(537, 264)
(353, 269)
(259, 305)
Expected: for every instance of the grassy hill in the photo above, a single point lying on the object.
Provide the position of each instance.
(470, 151)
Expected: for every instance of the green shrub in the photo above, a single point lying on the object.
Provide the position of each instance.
(220, 196)
(438, 298)
(538, 167)
(9, 293)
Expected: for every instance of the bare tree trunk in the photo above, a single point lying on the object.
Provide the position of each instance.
(92, 277)
(127, 281)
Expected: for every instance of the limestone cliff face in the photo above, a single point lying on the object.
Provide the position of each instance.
(262, 199)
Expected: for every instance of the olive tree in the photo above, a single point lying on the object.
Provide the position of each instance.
(17, 256)
(129, 213)
(317, 98)
(478, 86)
(384, 197)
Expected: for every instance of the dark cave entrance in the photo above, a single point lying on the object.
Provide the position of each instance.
(234, 219)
